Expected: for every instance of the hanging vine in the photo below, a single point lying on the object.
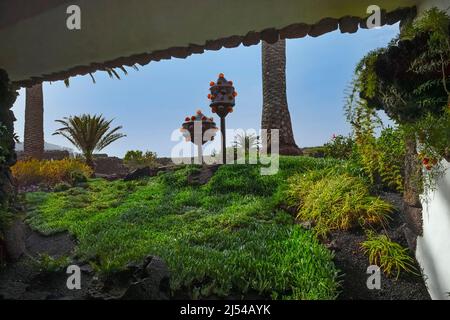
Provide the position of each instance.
(410, 81)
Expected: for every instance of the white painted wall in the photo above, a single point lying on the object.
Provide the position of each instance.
(433, 248)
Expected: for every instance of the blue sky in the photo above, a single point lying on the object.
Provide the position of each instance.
(151, 103)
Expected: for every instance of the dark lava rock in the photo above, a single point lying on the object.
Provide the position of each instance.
(15, 240)
(203, 175)
(138, 174)
(147, 281)
(146, 172)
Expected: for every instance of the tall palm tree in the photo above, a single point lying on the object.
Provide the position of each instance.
(275, 114)
(88, 133)
(34, 123)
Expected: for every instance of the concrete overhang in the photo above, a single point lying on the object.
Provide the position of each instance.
(37, 46)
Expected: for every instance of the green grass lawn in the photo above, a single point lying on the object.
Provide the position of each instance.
(223, 238)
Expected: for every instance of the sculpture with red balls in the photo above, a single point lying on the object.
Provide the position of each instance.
(222, 98)
(199, 129)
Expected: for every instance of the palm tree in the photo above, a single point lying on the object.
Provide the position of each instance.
(88, 133)
(34, 115)
(246, 141)
(275, 114)
(34, 123)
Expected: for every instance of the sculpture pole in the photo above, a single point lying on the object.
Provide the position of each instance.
(222, 98)
(224, 139)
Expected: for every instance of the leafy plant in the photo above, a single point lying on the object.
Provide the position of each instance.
(89, 133)
(339, 147)
(335, 201)
(388, 255)
(138, 159)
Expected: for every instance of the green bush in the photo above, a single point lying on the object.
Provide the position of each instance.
(335, 201)
(340, 147)
(388, 255)
(50, 172)
(137, 159)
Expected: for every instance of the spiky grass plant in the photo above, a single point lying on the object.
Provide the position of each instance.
(391, 257)
(335, 201)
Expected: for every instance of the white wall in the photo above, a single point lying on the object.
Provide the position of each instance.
(433, 248)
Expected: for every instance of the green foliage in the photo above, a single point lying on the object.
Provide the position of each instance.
(391, 157)
(224, 238)
(315, 152)
(88, 133)
(138, 159)
(4, 143)
(340, 147)
(50, 172)
(388, 255)
(47, 263)
(382, 158)
(335, 201)
(410, 80)
(5, 220)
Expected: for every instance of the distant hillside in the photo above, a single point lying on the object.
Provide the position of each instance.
(47, 146)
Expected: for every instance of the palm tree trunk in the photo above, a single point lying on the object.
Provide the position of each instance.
(34, 123)
(275, 114)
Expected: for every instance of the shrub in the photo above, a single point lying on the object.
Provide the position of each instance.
(339, 147)
(335, 201)
(50, 172)
(137, 159)
(391, 158)
(388, 255)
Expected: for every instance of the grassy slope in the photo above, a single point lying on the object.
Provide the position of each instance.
(226, 237)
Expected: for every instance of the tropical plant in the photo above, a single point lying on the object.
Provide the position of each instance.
(89, 133)
(275, 113)
(388, 255)
(246, 141)
(34, 115)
